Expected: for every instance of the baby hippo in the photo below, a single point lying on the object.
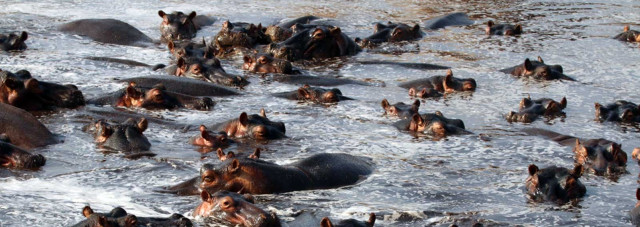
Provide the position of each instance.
(400, 109)
(214, 140)
(125, 137)
(503, 29)
(530, 109)
(119, 217)
(555, 184)
(435, 86)
(314, 94)
(13, 42)
(537, 70)
(628, 35)
(266, 63)
(234, 209)
(390, 33)
(620, 111)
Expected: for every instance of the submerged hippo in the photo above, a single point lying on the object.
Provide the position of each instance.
(191, 52)
(22, 129)
(13, 42)
(314, 94)
(243, 35)
(16, 158)
(155, 98)
(400, 109)
(254, 126)
(107, 31)
(634, 214)
(183, 86)
(319, 42)
(119, 217)
(436, 85)
(284, 30)
(266, 63)
(619, 111)
(326, 222)
(453, 19)
(214, 140)
(628, 35)
(390, 32)
(503, 29)
(600, 156)
(555, 184)
(25, 92)
(435, 124)
(208, 70)
(320, 80)
(537, 70)
(126, 137)
(179, 26)
(234, 209)
(530, 109)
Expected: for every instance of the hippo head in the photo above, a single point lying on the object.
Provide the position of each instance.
(539, 70)
(239, 35)
(235, 209)
(320, 95)
(13, 41)
(210, 139)
(451, 84)
(523, 117)
(400, 109)
(177, 26)
(555, 183)
(122, 137)
(277, 34)
(14, 157)
(23, 91)
(326, 222)
(435, 127)
(503, 29)
(403, 32)
(424, 93)
(258, 127)
(318, 42)
(602, 157)
(209, 70)
(266, 63)
(192, 51)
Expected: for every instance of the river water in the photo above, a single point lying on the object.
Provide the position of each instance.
(427, 182)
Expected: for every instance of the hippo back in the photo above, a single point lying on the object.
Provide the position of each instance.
(184, 86)
(106, 31)
(23, 129)
(453, 19)
(329, 170)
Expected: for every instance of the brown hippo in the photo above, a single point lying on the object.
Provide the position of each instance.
(254, 126)
(319, 42)
(601, 156)
(634, 214)
(210, 139)
(14, 157)
(266, 63)
(23, 129)
(155, 98)
(284, 30)
(183, 86)
(314, 94)
(503, 29)
(435, 85)
(107, 31)
(390, 32)
(126, 137)
(25, 92)
(119, 217)
(555, 184)
(628, 35)
(234, 209)
(537, 70)
(432, 124)
(179, 26)
(400, 109)
(530, 109)
(619, 111)
(13, 42)
(208, 70)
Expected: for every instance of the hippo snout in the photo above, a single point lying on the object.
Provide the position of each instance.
(205, 104)
(35, 161)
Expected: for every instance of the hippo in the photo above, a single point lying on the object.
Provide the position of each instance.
(222, 156)
(191, 52)
(254, 126)
(619, 111)
(25, 92)
(155, 98)
(555, 184)
(315, 43)
(234, 209)
(266, 63)
(435, 124)
(326, 222)
(321, 80)
(436, 85)
(16, 158)
(107, 31)
(634, 214)
(530, 109)
(600, 156)
(118, 217)
(210, 139)
(400, 109)
(390, 32)
(183, 86)
(23, 129)
(179, 26)
(127, 136)
(453, 19)
(503, 29)
(628, 35)
(243, 35)
(208, 70)
(314, 94)
(13, 42)
(284, 30)
(537, 70)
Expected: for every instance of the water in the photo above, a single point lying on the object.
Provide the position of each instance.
(458, 179)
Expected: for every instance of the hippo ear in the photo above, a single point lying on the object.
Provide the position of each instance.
(102, 221)
(626, 28)
(335, 31)
(525, 102)
(4, 138)
(490, 23)
(32, 85)
(627, 115)
(23, 36)
(416, 28)
(372, 220)
(412, 92)
(384, 104)
(416, 105)
(326, 222)
(171, 46)
(244, 119)
(518, 28)
(439, 113)
(527, 65)
(142, 125)
(304, 93)
(249, 198)
(230, 155)
(377, 27)
(256, 154)
(131, 220)
(161, 13)
(159, 86)
(448, 80)
(540, 59)
(416, 119)
(191, 16)
(423, 93)
(220, 154)
(577, 171)
(247, 59)
(203, 130)
(205, 196)
(533, 169)
(563, 102)
(235, 166)
(86, 211)
(263, 113)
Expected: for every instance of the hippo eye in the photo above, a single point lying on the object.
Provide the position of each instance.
(208, 179)
(262, 60)
(318, 35)
(196, 69)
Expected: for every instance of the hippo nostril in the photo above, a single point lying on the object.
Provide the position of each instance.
(226, 202)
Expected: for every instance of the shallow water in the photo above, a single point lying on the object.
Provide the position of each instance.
(438, 182)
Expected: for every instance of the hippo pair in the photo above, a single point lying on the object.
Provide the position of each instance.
(436, 86)
(555, 184)
(20, 89)
(315, 42)
(235, 209)
(118, 217)
(532, 109)
(619, 111)
(13, 42)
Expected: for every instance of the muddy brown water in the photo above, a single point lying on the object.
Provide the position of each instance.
(460, 179)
